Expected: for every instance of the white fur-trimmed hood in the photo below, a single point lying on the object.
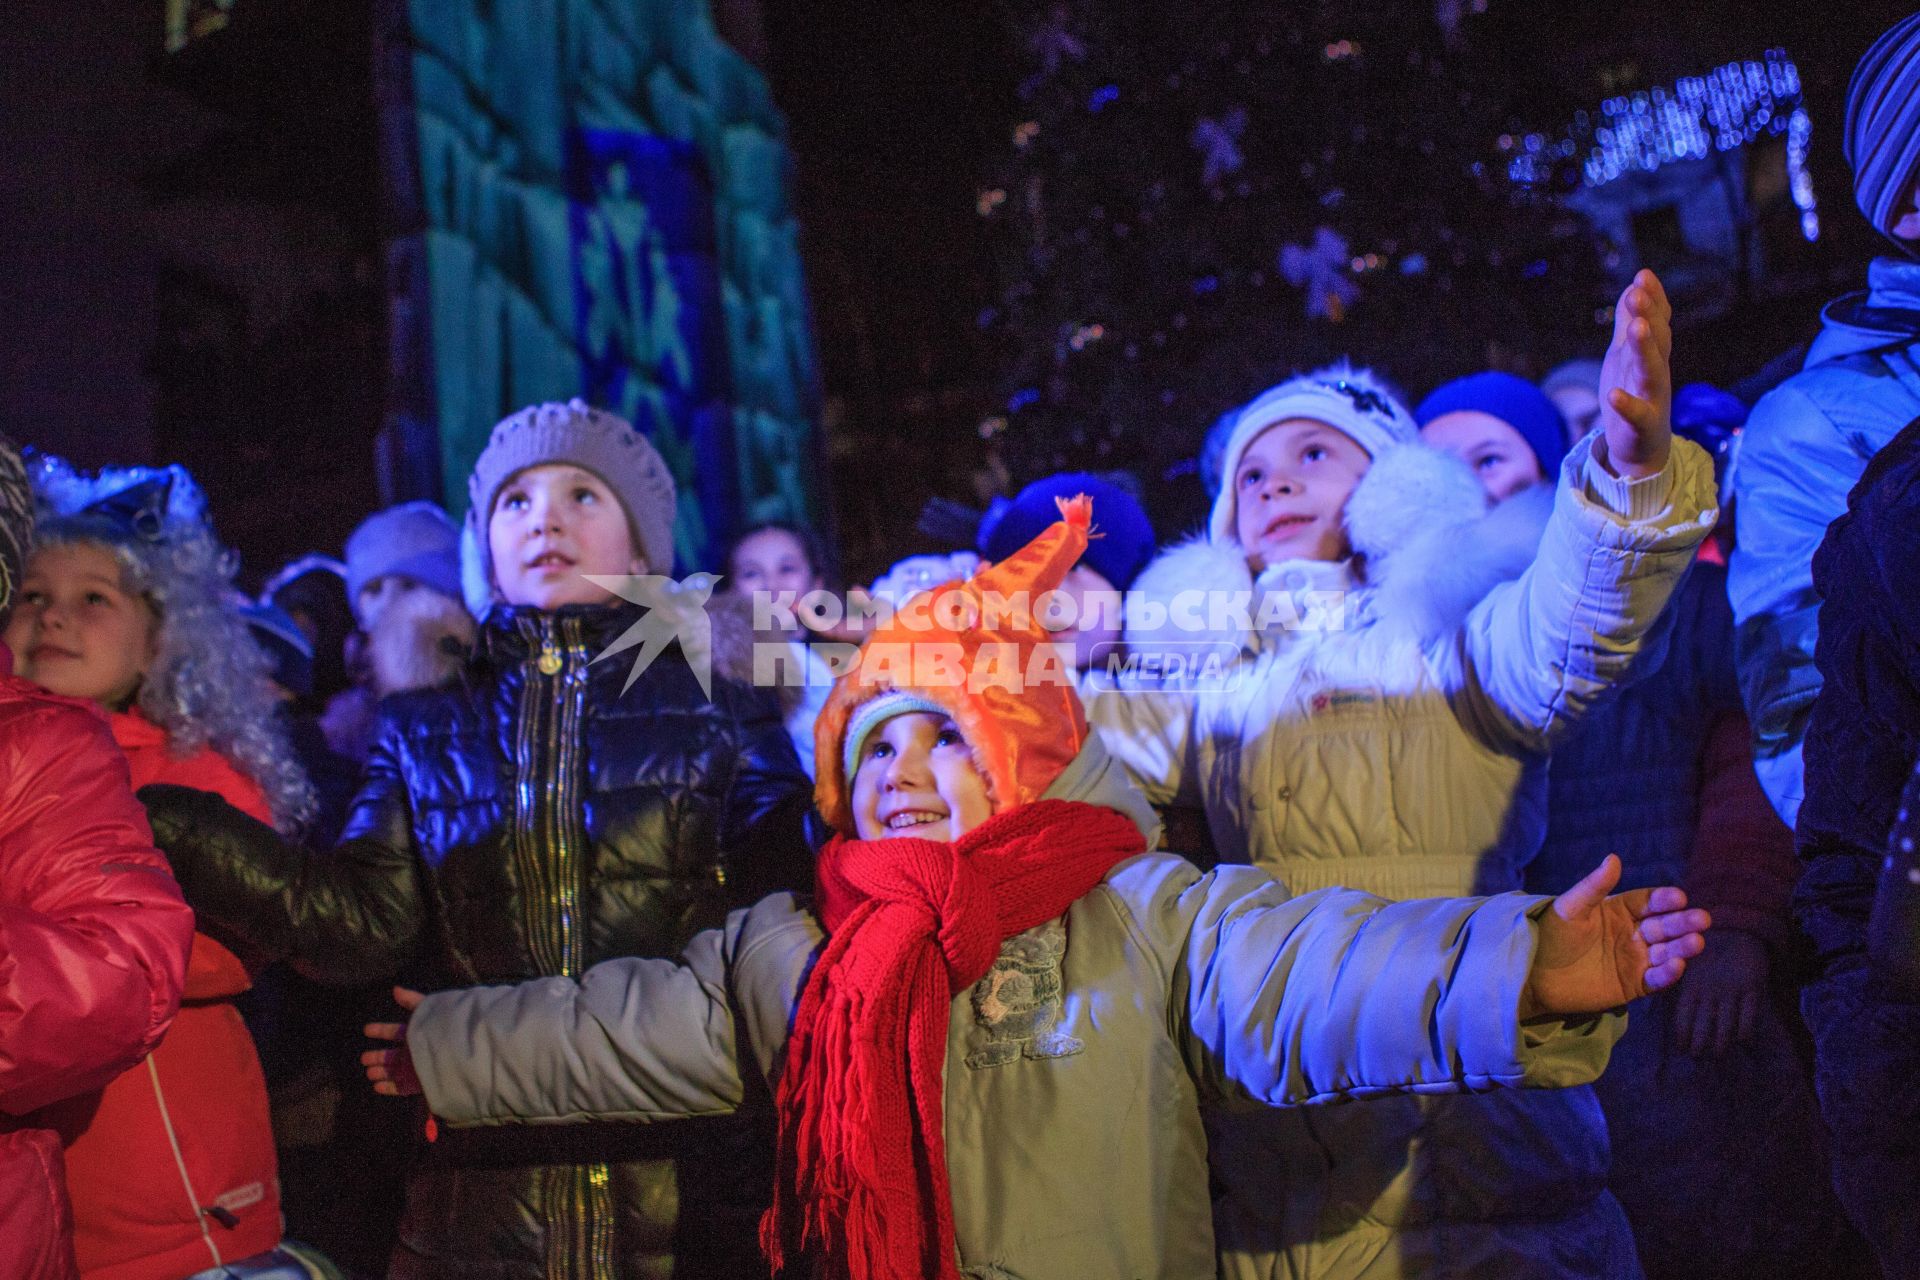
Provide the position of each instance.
(1427, 550)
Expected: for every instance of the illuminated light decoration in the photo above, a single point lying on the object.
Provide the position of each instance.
(1100, 97)
(1727, 108)
(1085, 335)
(1022, 398)
(1799, 178)
(1340, 50)
(989, 201)
(1025, 133)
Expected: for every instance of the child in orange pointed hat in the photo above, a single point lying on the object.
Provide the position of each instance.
(992, 668)
(991, 1031)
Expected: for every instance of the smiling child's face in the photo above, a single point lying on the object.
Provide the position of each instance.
(79, 630)
(915, 777)
(1291, 490)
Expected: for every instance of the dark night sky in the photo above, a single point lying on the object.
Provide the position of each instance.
(896, 109)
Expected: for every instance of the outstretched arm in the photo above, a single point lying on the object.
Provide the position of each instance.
(1339, 994)
(346, 916)
(637, 1040)
(1633, 506)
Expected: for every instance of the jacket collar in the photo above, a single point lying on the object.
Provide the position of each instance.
(512, 634)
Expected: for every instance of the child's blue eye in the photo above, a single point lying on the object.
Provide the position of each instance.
(879, 750)
(585, 495)
(1313, 453)
(94, 597)
(1250, 477)
(949, 738)
(514, 501)
(1488, 461)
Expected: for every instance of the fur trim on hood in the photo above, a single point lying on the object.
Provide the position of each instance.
(420, 641)
(1427, 550)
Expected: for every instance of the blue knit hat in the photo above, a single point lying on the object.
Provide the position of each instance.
(1514, 401)
(285, 645)
(1882, 136)
(876, 712)
(414, 540)
(1122, 542)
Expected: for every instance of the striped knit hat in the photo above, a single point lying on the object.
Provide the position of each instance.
(1883, 123)
(16, 523)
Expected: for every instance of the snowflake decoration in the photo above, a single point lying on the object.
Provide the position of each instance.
(1218, 142)
(1321, 269)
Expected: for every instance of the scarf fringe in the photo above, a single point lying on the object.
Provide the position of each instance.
(862, 1150)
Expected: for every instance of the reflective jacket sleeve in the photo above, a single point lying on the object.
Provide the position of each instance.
(94, 935)
(633, 1039)
(1338, 994)
(1536, 652)
(348, 916)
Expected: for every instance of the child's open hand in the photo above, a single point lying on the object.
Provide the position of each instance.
(1597, 952)
(1636, 381)
(391, 1070)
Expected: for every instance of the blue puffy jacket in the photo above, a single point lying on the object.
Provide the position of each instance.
(1803, 450)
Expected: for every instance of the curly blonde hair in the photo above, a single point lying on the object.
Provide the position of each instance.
(210, 684)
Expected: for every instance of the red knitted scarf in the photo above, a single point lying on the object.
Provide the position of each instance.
(912, 923)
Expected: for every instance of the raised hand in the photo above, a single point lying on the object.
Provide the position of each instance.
(1636, 381)
(1597, 952)
(391, 1070)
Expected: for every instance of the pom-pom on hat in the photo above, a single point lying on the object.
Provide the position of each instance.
(1006, 685)
(1120, 551)
(1351, 401)
(1514, 401)
(576, 433)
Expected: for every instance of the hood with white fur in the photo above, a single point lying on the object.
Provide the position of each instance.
(1427, 549)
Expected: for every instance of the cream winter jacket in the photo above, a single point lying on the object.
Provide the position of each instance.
(1400, 751)
(1395, 742)
(1073, 1130)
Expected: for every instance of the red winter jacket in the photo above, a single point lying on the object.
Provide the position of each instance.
(171, 1167)
(93, 949)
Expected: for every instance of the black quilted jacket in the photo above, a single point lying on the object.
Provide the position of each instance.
(536, 822)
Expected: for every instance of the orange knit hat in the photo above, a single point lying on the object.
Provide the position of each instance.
(993, 668)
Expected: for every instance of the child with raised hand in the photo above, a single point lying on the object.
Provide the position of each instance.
(1385, 727)
(534, 819)
(992, 1029)
(1662, 775)
(125, 605)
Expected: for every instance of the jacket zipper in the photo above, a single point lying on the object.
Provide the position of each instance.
(180, 1161)
(548, 841)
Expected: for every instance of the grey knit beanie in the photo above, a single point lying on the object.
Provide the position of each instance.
(593, 439)
(16, 523)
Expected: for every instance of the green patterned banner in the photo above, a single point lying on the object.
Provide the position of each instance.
(599, 199)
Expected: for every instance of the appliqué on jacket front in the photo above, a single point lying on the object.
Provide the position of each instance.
(1017, 1007)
